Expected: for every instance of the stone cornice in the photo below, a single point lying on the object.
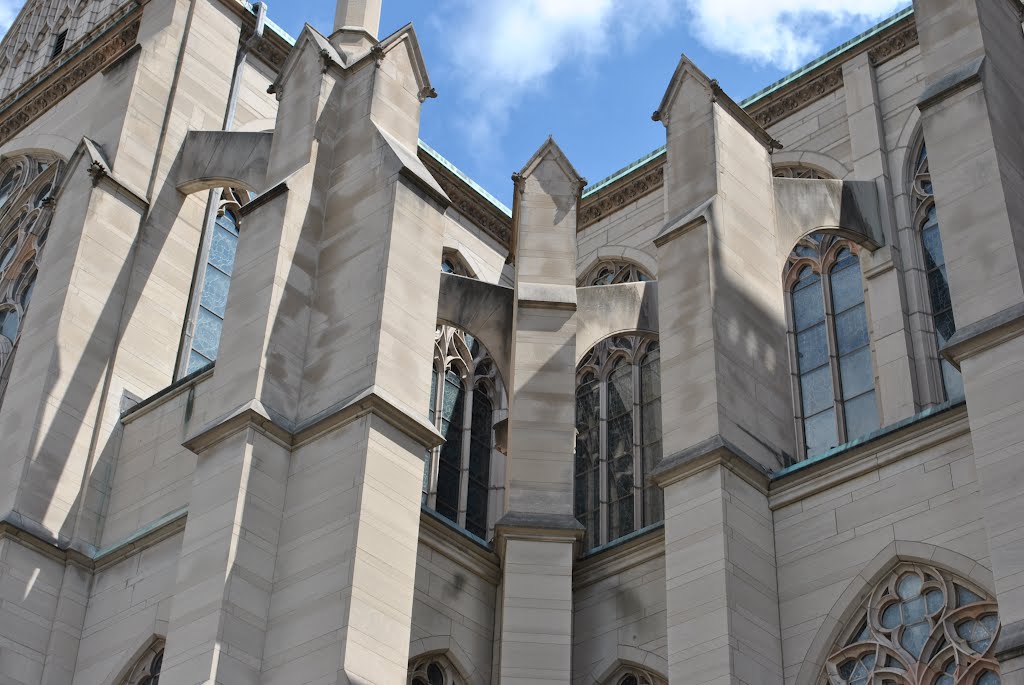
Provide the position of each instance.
(105, 45)
(984, 335)
(458, 547)
(260, 418)
(470, 203)
(640, 183)
(715, 451)
(796, 96)
(919, 434)
(648, 545)
(270, 49)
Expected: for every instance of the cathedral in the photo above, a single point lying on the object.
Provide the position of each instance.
(288, 399)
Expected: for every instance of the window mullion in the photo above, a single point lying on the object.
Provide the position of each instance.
(638, 474)
(603, 461)
(435, 453)
(833, 356)
(467, 439)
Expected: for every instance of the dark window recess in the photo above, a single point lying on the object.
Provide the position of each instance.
(58, 44)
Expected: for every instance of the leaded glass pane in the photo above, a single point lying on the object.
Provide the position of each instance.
(812, 348)
(914, 637)
(816, 390)
(26, 292)
(935, 600)
(891, 616)
(7, 185)
(851, 330)
(965, 596)
(856, 373)
(808, 303)
(909, 586)
(8, 252)
(206, 337)
(222, 249)
(196, 361)
(847, 290)
(215, 291)
(479, 465)
(449, 464)
(913, 610)
(988, 678)
(931, 240)
(953, 381)
(938, 290)
(820, 432)
(587, 486)
(435, 675)
(620, 391)
(861, 415)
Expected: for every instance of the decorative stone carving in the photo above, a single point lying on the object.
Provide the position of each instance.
(607, 201)
(773, 109)
(270, 48)
(23, 108)
(471, 204)
(894, 45)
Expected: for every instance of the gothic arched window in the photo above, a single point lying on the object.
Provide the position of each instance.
(433, 670)
(618, 438)
(26, 209)
(202, 333)
(927, 224)
(798, 171)
(465, 390)
(146, 670)
(833, 370)
(630, 675)
(613, 271)
(919, 626)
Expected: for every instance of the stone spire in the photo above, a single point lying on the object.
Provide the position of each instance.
(356, 23)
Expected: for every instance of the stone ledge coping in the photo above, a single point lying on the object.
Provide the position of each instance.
(715, 451)
(960, 78)
(984, 335)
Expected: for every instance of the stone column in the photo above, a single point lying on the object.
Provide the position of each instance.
(972, 52)
(538, 534)
(890, 322)
(319, 392)
(724, 378)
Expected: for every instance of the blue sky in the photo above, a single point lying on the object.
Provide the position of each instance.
(590, 72)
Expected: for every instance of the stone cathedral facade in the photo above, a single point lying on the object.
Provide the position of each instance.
(286, 399)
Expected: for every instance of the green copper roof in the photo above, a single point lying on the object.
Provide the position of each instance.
(624, 171)
(810, 66)
(472, 184)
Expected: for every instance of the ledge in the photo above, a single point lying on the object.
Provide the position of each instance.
(984, 335)
(459, 545)
(963, 77)
(715, 451)
(618, 556)
(168, 393)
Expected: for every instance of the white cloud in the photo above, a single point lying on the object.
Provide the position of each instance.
(505, 50)
(501, 51)
(781, 33)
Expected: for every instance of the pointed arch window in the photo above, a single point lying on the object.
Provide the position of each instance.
(618, 443)
(920, 625)
(433, 670)
(832, 363)
(635, 676)
(934, 264)
(798, 171)
(212, 282)
(146, 670)
(465, 391)
(26, 210)
(613, 271)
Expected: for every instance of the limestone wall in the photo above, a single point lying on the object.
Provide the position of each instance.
(619, 610)
(627, 233)
(837, 523)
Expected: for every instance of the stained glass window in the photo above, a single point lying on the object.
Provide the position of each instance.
(919, 626)
(833, 366)
(618, 438)
(213, 296)
(611, 271)
(465, 393)
(147, 668)
(435, 670)
(936, 280)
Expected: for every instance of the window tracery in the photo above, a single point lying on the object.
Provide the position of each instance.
(798, 171)
(146, 670)
(212, 282)
(614, 271)
(832, 364)
(465, 392)
(919, 626)
(618, 437)
(927, 224)
(635, 676)
(433, 670)
(26, 183)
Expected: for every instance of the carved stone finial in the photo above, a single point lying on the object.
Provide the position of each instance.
(97, 171)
